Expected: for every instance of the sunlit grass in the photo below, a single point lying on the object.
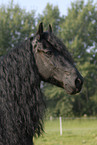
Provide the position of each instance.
(75, 132)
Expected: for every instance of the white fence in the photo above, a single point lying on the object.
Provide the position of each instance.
(70, 118)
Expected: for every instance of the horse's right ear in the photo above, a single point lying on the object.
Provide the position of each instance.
(50, 29)
(40, 29)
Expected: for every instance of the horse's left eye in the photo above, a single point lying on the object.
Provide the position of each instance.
(48, 52)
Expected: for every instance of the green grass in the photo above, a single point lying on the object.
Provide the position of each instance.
(75, 132)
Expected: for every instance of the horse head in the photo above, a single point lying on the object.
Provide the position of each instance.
(54, 62)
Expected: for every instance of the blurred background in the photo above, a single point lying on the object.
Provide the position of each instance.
(75, 23)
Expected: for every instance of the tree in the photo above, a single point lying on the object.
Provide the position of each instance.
(78, 31)
(15, 25)
(58, 102)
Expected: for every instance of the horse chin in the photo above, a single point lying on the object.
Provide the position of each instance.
(71, 90)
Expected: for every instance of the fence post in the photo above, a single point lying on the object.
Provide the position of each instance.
(60, 118)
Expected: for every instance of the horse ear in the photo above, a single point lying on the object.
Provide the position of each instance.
(50, 29)
(40, 28)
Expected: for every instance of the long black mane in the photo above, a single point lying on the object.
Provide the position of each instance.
(21, 101)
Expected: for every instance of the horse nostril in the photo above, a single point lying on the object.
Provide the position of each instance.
(78, 83)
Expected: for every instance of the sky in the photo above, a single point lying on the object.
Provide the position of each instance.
(39, 5)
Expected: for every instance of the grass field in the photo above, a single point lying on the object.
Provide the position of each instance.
(75, 132)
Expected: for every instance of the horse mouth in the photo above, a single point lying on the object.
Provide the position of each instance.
(75, 91)
(71, 90)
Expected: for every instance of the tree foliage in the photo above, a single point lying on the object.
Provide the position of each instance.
(15, 25)
(78, 31)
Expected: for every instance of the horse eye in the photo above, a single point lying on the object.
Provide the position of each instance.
(48, 52)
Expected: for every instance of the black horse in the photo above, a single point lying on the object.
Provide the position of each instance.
(41, 58)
